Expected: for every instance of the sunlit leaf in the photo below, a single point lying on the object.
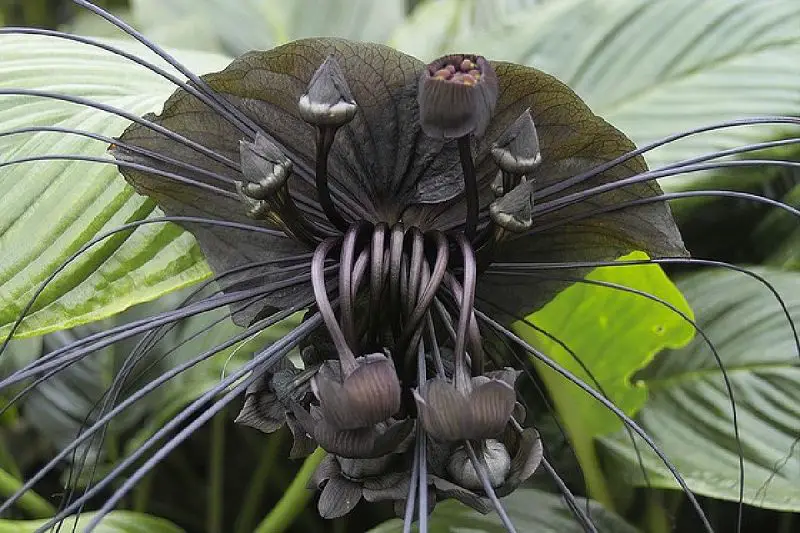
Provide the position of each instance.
(614, 334)
(689, 411)
(47, 215)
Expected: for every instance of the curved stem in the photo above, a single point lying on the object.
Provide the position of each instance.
(325, 135)
(470, 186)
(294, 498)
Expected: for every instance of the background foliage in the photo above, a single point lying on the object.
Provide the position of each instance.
(650, 68)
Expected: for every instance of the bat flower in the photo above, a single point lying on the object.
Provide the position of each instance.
(475, 408)
(376, 192)
(268, 401)
(344, 481)
(506, 462)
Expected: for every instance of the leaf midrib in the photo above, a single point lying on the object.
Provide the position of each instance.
(614, 106)
(687, 378)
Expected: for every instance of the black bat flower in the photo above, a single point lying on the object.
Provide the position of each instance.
(404, 208)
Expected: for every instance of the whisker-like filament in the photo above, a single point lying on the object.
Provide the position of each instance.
(583, 518)
(124, 164)
(136, 396)
(714, 352)
(121, 229)
(530, 267)
(116, 142)
(259, 364)
(87, 102)
(574, 180)
(616, 410)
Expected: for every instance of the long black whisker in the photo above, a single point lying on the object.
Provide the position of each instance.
(754, 147)
(523, 267)
(129, 116)
(111, 141)
(223, 110)
(126, 164)
(664, 198)
(609, 405)
(570, 199)
(120, 229)
(717, 358)
(560, 186)
(111, 395)
(569, 498)
(245, 124)
(136, 396)
(260, 364)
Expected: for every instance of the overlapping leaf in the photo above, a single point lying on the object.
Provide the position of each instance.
(49, 210)
(689, 412)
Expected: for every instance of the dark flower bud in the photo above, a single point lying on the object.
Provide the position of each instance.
(328, 101)
(370, 394)
(264, 166)
(457, 95)
(362, 443)
(514, 211)
(267, 399)
(517, 149)
(450, 414)
(498, 465)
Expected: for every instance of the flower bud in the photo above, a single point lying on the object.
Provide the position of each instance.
(264, 166)
(449, 414)
(514, 211)
(517, 149)
(498, 465)
(328, 101)
(370, 394)
(457, 95)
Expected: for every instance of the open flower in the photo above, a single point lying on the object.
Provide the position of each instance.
(371, 176)
(403, 207)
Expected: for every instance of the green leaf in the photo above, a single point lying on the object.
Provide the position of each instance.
(115, 522)
(614, 334)
(238, 27)
(444, 23)
(689, 412)
(529, 510)
(47, 215)
(656, 68)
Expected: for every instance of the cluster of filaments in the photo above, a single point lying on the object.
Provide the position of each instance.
(400, 360)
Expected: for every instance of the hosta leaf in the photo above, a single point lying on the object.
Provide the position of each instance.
(529, 510)
(614, 334)
(115, 522)
(447, 22)
(689, 412)
(238, 27)
(657, 68)
(47, 215)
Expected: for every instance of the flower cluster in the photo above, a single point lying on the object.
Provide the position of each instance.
(401, 183)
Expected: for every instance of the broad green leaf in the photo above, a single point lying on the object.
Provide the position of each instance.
(614, 334)
(244, 25)
(115, 522)
(47, 215)
(443, 23)
(689, 412)
(657, 68)
(530, 510)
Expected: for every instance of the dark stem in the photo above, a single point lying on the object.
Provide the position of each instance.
(470, 186)
(325, 135)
